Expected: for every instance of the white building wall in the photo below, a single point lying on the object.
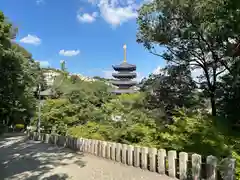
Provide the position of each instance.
(50, 76)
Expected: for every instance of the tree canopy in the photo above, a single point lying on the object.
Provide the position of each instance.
(18, 74)
(194, 33)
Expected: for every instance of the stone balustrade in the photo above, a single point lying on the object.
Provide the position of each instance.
(176, 165)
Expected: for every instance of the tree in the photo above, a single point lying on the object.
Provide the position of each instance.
(230, 95)
(191, 35)
(172, 88)
(18, 73)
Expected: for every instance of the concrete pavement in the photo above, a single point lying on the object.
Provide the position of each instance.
(31, 160)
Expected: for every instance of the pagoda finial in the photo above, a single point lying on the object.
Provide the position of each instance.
(125, 52)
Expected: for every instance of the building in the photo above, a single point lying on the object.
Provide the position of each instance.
(84, 78)
(123, 77)
(50, 76)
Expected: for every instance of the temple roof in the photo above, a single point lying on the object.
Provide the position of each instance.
(124, 66)
(124, 75)
(124, 83)
(121, 91)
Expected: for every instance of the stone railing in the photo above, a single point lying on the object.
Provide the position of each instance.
(176, 165)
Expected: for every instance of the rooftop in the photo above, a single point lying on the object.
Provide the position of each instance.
(124, 66)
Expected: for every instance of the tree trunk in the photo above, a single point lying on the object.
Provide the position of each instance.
(213, 104)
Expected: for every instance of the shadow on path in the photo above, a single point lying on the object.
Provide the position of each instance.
(31, 160)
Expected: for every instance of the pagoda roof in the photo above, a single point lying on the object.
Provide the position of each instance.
(124, 82)
(124, 75)
(123, 91)
(124, 66)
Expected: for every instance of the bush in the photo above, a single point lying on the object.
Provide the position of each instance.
(194, 133)
(19, 127)
(237, 157)
(91, 130)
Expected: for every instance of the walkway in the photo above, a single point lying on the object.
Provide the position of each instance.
(31, 160)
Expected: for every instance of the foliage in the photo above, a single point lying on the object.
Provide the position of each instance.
(18, 76)
(172, 88)
(91, 130)
(191, 35)
(194, 133)
(230, 96)
(78, 103)
(237, 157)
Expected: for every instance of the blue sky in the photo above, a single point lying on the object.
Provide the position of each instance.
(87, 34)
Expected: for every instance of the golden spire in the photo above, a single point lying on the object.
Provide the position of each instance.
(125, 52)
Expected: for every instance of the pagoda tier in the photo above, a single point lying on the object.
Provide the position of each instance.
(124, 84)
(124, 67)
(123, 91)
(124, 75)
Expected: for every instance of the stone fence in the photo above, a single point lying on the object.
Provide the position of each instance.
(176, 165)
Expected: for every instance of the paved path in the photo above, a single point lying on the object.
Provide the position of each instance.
(31, 160)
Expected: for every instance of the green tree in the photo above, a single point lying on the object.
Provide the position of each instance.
(172, 88)
(191, 35)
(230, 96)
(18, 73)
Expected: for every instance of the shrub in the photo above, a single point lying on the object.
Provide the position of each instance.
(237, 157)
(194, 133)
(19, 126)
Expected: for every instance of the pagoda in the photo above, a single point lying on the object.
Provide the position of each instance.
(124, 75)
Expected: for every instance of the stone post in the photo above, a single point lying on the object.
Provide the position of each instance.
(211, 168)
(229, 169)
(130, 149)
(161, 161)
(78, 144)
(152, 155)
(96, 150)
(137, 151)
(86, 143)
(108, 150)
(144, 157)
(113, 150)
(118, 152)
(183, 159)
(104, 147)
(196, 166)
(100, 148)
(92, 146)
(47, 138)
(81, 145)
(172, 155)
(124, 153)
(89, 146)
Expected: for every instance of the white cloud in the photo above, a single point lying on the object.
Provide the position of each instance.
(139, 77)
(108, 74)
(116, 12)
(69, 52)
(31, 39)
(87, 18)
(40, 2)
(157, 70)
(44, 63)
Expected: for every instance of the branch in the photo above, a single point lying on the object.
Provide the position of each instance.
(220, 72)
